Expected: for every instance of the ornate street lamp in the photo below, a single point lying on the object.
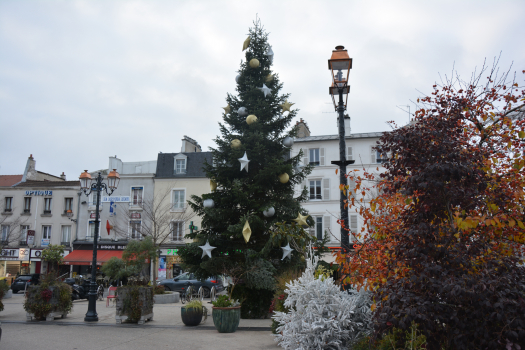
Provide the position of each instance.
(339, 65)
(87, 187)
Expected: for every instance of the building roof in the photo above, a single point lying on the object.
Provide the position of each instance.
(363, 135)
(194, 164)
(10, 180)
(49, 184)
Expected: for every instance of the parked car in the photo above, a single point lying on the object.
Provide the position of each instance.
(181, 282)
(20, 282)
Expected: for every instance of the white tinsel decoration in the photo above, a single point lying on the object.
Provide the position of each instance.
(320, 316)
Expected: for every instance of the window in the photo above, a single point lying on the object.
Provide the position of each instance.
(68, 205)
(8, 204)
(46, 232)
(322, 225)
(314, 156)
(27, 204)
(93, 200)
(353, 225)
(178, 199)
(349, 155)
(319, 227)
(91, 230)
(381, 157)
(136, 196)
(315, 189)
(23, 234)
(177, 231)
(376, 157)
(47, 205)
(5, 232)
(180, 166)
(66, 234)
(135, 227)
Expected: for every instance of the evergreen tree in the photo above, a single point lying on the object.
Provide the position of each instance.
(241, 196)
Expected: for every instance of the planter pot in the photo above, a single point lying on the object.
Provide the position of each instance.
(226, 319)
(191, 316)
(125, 302)
(168, 298)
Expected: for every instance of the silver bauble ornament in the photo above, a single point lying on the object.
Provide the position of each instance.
(208, 203)
(243, 112)
(269, 212)
(237, 78)
(288, 141)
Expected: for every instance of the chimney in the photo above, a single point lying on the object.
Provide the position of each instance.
(190, 145)
(63, 176)
(30, 171)
(303, 130)
(348, 130)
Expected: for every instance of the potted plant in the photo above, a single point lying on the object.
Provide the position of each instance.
(226, 314)
(192, 313)
(49, 299)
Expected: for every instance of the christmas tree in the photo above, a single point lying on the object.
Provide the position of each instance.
(252, 180)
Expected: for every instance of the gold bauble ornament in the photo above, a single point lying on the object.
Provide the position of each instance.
(286, 106)
(301, 219)
(268, 78)
(254, 63)
(246, 43)
(247, 231)
(227, 109)
(236, 143)
(251, 119)
(284, 178)
(213, 185)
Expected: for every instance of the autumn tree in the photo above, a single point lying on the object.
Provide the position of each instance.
(443, 240)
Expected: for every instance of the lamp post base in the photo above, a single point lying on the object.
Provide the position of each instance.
(91, 317)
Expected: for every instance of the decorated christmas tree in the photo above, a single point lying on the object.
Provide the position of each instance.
(252, 185)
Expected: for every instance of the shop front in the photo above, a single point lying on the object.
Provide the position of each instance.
(14, 262)
(169, 264)
(81, 258)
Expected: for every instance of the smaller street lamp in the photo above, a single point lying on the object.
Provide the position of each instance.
(87, 186)
(339, 65)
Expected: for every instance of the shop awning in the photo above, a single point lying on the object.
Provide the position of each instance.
(85, 257)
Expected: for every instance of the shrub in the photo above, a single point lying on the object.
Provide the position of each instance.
(225, 301)
(3, 290)
(159, 289)
(256, 302)
(48, 296)
(132, 304)
(194, 304)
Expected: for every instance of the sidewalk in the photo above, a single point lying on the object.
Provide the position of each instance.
(165, 331)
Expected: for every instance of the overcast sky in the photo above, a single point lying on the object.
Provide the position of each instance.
(84, 80)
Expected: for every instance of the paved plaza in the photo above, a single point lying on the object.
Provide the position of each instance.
(165, 331)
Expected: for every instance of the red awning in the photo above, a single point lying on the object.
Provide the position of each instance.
(85, 257)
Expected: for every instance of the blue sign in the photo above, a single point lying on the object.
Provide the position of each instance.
(116, 199)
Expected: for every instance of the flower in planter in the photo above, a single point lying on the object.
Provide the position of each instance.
(225, 301)
(46, 295)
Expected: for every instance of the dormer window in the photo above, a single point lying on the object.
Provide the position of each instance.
(180, 163)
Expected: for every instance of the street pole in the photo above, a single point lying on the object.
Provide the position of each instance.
(345, 241)
(91, 315)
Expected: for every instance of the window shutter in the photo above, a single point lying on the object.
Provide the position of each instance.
(305, 159)
(326, 189)
(372, 155)
(349, 155)
(353, 223)
(311, 230)
(351, 183)
(326, 225)
(321, 156)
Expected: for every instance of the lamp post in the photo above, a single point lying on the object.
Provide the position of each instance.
(339, 64)
(87, 187)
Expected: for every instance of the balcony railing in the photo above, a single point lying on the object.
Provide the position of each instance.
(316, 196)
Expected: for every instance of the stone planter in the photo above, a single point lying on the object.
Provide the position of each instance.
(168, 298)
(191, 316)
(226, 319)
(55, 311)
(127, 303)
(8, 294)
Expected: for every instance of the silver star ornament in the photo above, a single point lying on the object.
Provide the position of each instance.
(269, 53)
(244, 162)
(286, 251)
(206, 249)
(265, 90)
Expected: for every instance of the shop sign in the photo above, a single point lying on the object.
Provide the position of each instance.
(30, 237)
(172, 251)
(45, 242)
(101, 247)
(135, 215)
(116, 199)
(36, 253)
(9, 254)
(23, 254)
(93, 216)
(39, 193)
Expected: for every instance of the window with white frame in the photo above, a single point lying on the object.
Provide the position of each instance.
(46, 232)
(93, 201)
(91, 230)
(177, 231)
(27, 204)
(315, 189)
(66, 234)
(5, 232)
(136, 196)
(180, 166)
(376, 157)
(135, 227)
(47, 205)
(23, 233)
(314, 156)
(321, 226)
(349, 154)
(68, 205)
(8, 204)
(178, 199)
